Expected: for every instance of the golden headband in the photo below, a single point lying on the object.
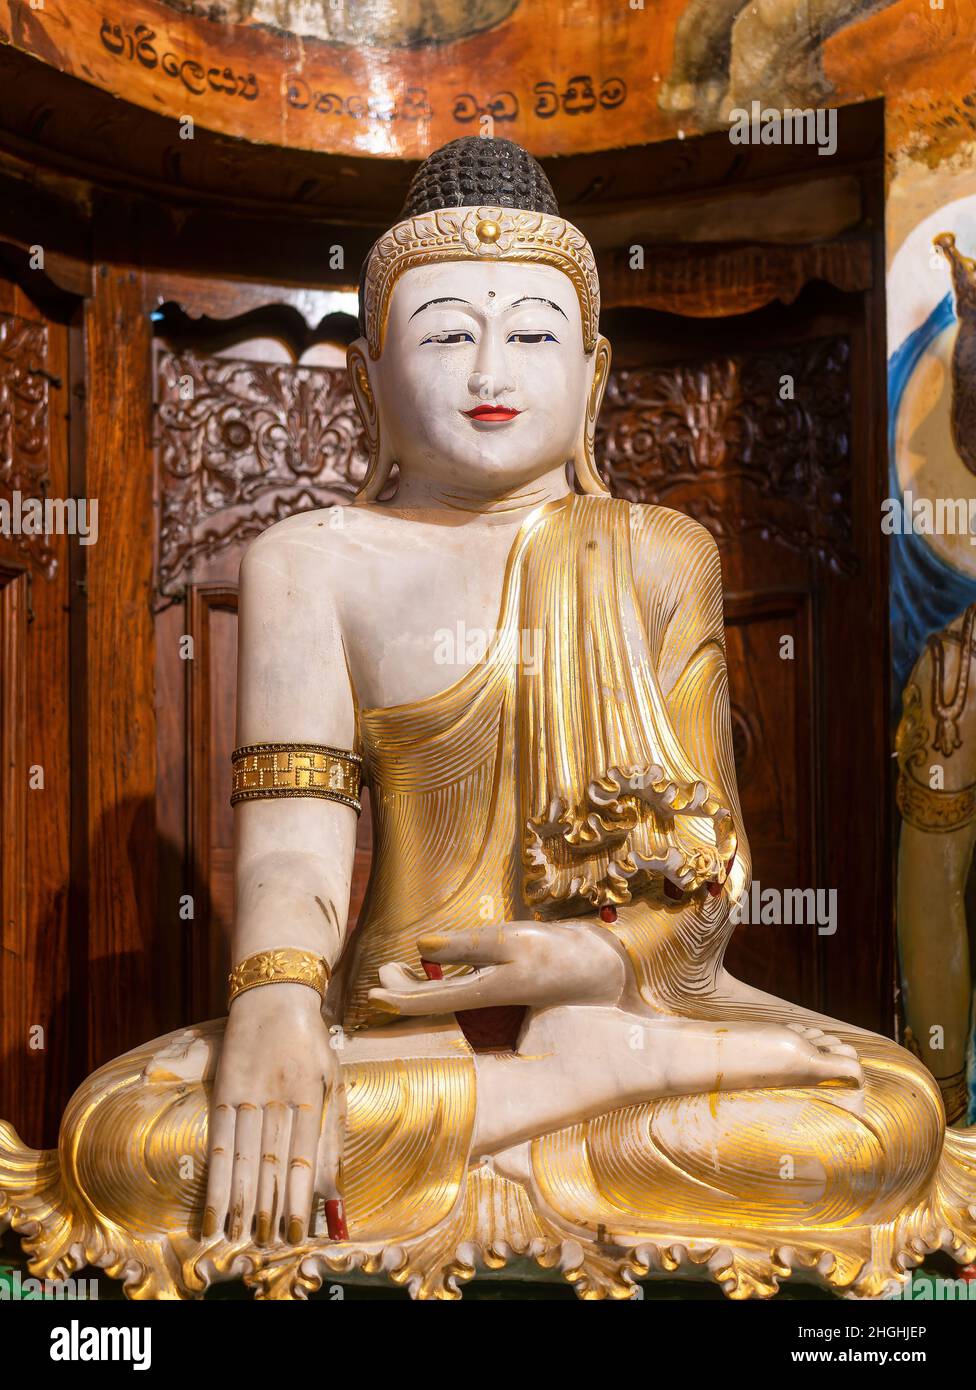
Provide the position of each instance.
(479, 234)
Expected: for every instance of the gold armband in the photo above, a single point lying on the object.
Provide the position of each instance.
(284, 967)
(937, 811)
(264, 770)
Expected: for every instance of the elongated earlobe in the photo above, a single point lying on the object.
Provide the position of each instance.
(378, 468)
(587, 473)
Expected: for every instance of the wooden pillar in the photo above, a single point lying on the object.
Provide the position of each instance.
(122, 954)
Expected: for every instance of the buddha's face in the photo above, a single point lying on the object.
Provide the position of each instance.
(483, 383)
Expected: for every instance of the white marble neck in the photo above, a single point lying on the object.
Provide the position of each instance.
(427, 495)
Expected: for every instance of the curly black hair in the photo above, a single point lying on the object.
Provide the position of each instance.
(475, 171)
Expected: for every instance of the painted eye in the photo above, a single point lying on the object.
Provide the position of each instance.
(532, 338)
(449, 339)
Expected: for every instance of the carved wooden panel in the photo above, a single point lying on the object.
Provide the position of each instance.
(708, 281)
(756, 445)
(24, 447)
(243, 444)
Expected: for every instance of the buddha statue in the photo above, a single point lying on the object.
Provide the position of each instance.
(528, 1054)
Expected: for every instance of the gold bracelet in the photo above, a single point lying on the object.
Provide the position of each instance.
(284, 967)
(266, 770)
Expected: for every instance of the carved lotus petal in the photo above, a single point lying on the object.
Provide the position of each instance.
(501, 244)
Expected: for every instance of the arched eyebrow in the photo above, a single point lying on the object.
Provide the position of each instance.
(448, 299)
(536, 299)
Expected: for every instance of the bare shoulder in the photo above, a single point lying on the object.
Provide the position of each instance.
(293, 677)
(314, 547)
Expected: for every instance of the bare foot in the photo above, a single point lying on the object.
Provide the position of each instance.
(655, 1057)
(839, 1059)
(737, 1055)
(577, 1062)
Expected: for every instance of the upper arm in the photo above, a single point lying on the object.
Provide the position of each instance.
(293, 684)
(293, 854)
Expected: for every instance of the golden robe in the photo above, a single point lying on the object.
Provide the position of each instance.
(583, 761)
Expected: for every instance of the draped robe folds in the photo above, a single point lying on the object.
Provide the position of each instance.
(583, 761)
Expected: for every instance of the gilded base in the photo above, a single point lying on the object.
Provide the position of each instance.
(124, 1193)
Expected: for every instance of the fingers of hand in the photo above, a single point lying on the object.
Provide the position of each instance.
(482, 945)
(264, 1162)
(243, 1188)
(223, 1124)
(405, 995)
(329, 1147)
(301, 1170)
(272, 1169)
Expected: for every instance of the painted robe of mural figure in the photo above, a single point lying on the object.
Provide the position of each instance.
(557, 839)
(936, 747)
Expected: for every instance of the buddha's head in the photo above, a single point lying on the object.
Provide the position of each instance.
(480, 366)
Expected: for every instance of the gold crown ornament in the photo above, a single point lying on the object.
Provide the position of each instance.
(479, 234)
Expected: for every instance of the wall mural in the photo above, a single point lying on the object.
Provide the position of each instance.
(932, 398)
(400, 23)
(560, 76)
(728, 53)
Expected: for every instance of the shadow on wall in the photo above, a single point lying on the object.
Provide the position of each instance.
(107, 1003)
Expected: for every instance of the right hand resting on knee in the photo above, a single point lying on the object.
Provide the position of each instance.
(269, 1151)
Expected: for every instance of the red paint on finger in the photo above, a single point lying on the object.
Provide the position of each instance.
(432, 970)
(335, 1219)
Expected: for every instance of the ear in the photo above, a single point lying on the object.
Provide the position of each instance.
(584, 462)
(365, 397)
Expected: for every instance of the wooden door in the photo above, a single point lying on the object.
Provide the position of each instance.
(35, 743)
(766, 428)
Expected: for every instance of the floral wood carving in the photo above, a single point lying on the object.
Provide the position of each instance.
(24, 441)
(718, 440)
(744, 738)
(243, 444)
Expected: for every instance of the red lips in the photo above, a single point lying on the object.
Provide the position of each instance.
(492, 414)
